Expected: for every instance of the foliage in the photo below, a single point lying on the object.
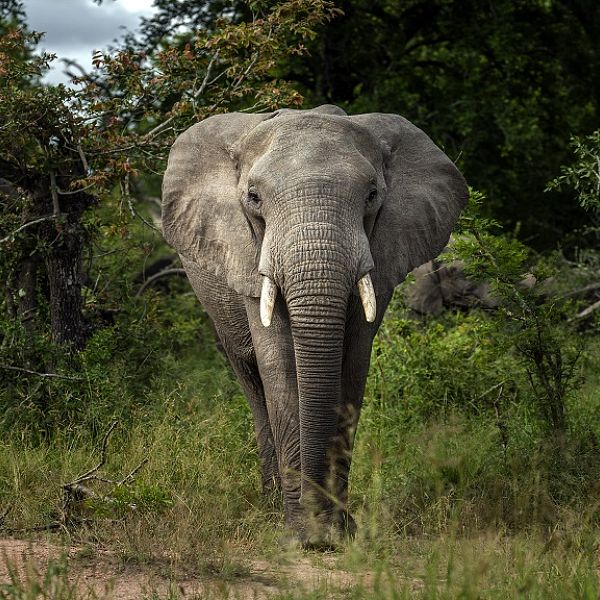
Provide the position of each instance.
(458, 362)
(72, 160)
(536, 327)
(583, 176)
(440, 493)
(524, 356)
(109, 378)
(132, 107)
(153, 98)
(498, 85)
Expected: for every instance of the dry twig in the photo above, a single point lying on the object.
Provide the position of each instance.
(29, 224)
(163, 273)
(587, 311)
(92, 472)
(75, 494)
(30, 372)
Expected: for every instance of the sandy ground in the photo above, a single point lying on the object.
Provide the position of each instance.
(102, 576)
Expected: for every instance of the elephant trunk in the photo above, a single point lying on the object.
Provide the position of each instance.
(318, 345)
(318, 284)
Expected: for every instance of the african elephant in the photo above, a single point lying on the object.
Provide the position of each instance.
(294, 227)
(444, 285)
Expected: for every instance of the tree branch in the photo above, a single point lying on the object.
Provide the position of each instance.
(583, 290)
(56, 375)
(587, 312)
(133, 473)
(163, 273)
(205, 81)
(92, 472)
(29, 224)
(83, 158)
(54, 193)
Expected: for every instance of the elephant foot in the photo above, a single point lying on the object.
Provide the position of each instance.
(322, 532)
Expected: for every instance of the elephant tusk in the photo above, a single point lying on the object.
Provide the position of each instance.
(367, 297)
(268, 295)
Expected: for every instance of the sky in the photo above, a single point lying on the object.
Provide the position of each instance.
(75, 28)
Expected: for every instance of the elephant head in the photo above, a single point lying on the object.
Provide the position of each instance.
(311, 207)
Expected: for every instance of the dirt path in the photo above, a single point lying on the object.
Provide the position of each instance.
(101, 576)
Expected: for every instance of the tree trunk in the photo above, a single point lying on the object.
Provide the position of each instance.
(64, 258)
(63, 265)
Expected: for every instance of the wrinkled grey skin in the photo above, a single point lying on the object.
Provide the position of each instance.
(314, 200)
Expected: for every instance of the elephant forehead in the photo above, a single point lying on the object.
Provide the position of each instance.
(311, 148)
(314, 137)
(330, 152)
(323, 134)
(309, 174)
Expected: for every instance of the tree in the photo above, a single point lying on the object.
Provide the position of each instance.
(65, 150)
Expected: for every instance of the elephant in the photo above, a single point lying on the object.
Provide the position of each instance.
(294, 227)
(444, 285)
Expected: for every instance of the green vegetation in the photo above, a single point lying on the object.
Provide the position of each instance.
(477, 460)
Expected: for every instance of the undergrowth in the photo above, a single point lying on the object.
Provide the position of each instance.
(460, 484)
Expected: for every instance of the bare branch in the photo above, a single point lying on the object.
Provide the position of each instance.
(54, 193)
(83, 158)
(583, 290)
(160, 274)
(126, 194)
(158, 129)
(92, 472)
(246, 72)
(133, 473)
(587, 312)
(256, 107)
(29, 224)
(135, 213)
(205, 81)
(71, 192)
(56, 375)
(494, 387)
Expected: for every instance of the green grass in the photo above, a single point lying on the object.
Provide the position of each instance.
(455, 497)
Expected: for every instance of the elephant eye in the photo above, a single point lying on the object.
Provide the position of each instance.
(253, 198)
(372, 196)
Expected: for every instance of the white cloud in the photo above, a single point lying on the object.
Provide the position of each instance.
(75, 28)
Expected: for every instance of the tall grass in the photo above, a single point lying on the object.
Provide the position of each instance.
(455, 487)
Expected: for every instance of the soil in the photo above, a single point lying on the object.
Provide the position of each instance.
(98, 574)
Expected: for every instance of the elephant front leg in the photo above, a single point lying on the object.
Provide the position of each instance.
(249, 378)
(357, 356)
(227, 312)
(276, 363)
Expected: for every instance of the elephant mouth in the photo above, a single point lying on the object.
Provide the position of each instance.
(366, 292)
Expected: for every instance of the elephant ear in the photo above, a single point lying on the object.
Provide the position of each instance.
(202, 216)
(424, 197)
